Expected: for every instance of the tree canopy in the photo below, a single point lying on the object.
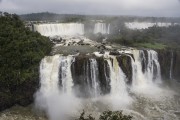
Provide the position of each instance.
(21, 50)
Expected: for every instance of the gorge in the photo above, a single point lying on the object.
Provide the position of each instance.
(116, 79)
(83, 74)
(105, 77)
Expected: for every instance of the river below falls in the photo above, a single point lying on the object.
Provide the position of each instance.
(165, 105)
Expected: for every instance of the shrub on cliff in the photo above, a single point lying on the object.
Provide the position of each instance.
(21, 50)
(107, 115)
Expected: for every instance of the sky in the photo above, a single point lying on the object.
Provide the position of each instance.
(157, 8)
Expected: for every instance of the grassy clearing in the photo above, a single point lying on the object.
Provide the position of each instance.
(150, 45)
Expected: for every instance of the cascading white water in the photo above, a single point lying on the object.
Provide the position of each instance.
(108, 29)
(151, 75)
(138, 75)
(145, 25)
(51, 97)
(49, 75)
(94, 77)
(66, 77)
(171, 67)
(153, 62)
(119, 97)
(60, 29)
(118, 85)
(55, 66)
(102, 28)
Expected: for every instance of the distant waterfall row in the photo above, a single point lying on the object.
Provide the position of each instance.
(99, 74)
(145, 25)
(59, 29)
(102, 28)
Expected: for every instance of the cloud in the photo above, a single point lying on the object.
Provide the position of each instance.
(115, 7)
(9, 6)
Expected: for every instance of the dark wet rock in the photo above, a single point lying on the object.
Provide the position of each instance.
(102, 52)
(176, 66)
(130, 55)
(165, 57)
(126, 66)
(80, 42)
(144, 62)
(103, 47)
(114, 53)
(104, 75)
(81, 75)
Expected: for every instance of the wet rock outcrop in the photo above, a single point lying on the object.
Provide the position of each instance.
(81, 74)
(126, 66)
(176, 66)
(170, 64)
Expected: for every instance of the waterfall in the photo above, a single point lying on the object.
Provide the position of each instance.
(67, 80)
(53, 67)
(50, 29)
(118, 86)
(56, 73)
(152, 72)
(109, 25)
(56, 90)
(94, 77)
(171, 67)
(65, 72)
(102, 28)
(153, 64)
(118, 97)
(145, 25)
(138, 75)
(49, 72)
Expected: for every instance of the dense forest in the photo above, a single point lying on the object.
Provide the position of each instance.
(46, 16)
(153, 37)
(21, 51)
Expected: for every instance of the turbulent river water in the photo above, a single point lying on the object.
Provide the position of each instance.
(161, 104)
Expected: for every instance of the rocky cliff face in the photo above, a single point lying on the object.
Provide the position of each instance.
(81, 72)
(170, 64)
(176, 66)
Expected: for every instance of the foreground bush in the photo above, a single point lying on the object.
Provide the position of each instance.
(107, 115)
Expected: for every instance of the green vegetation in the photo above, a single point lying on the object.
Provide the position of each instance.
(150, 45)
(46, 16)
(21, 51)
(107, 115)
(153, 37)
